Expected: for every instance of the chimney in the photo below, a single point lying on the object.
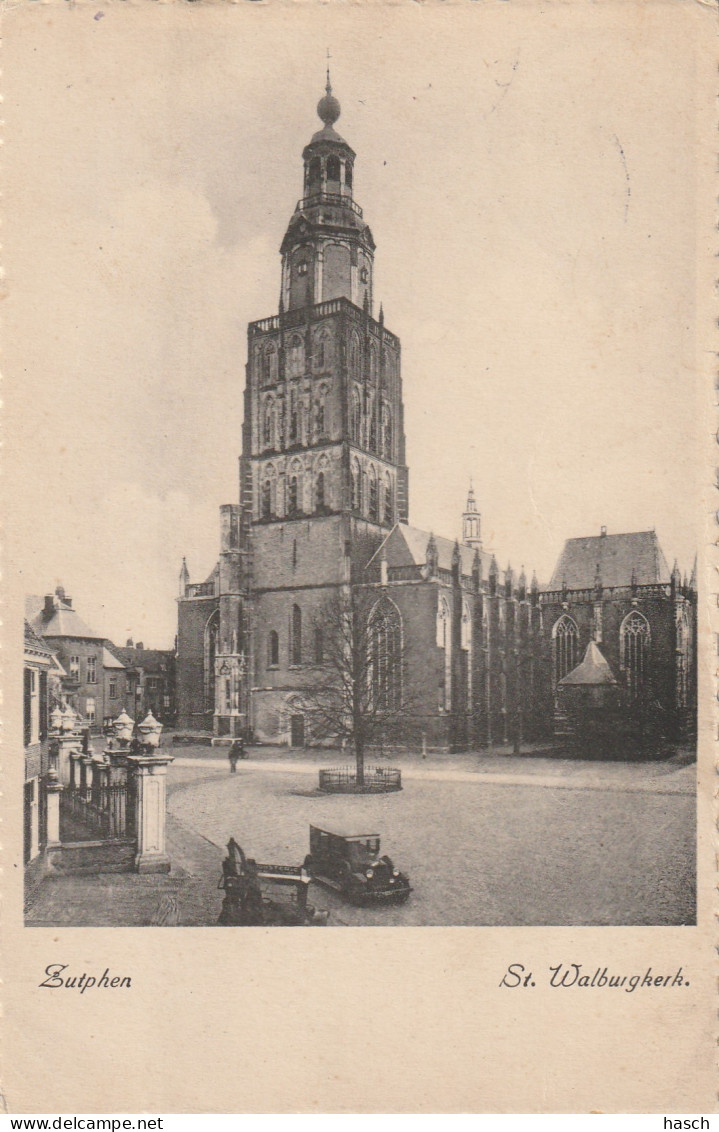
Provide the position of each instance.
(603, 532)
(49, 607)
(129, 643)
(139, 646)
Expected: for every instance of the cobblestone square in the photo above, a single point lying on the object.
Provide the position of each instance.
(494, 841)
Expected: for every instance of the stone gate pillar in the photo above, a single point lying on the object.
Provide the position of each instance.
(148, 775)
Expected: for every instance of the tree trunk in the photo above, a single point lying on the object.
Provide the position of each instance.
(359, 756)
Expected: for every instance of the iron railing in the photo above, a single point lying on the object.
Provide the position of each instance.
(98, 812)
(375, 779)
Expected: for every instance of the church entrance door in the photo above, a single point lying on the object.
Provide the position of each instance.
(297, 729)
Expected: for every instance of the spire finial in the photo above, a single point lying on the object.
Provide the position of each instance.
(328, 107)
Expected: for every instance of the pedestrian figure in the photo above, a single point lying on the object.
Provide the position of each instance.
(235, 754)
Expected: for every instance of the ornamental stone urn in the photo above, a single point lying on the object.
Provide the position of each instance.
(150, 731)
(69, 720)
(56, 718)
(123, 727)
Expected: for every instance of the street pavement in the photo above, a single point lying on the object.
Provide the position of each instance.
(485, 839)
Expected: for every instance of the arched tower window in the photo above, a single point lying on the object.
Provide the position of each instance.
(373, 361)
(466, 627)
(266, 500)
(212, 629)
(296, 357)
(385, 640)
(354, 356)
(333, 169)
(268, 423)
(348, 174)
(387, 508)
(372, 430)
(269, 365)
(373, 503)
(565, 639)
(444, 624)
(315, 175)
(273, 649)
(356, 497)
(634, 642)
(321, 413)
(386, 431)
(294, 417)
(323, 349)
(320, 491)
(356, 422)
(296, 636)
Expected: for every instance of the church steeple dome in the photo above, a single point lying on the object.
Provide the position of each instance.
(328, 107)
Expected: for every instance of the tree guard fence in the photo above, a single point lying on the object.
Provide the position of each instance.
(375, 780)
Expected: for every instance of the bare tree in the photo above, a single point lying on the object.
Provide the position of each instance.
(357, 692)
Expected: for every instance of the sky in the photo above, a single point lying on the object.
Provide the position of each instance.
(527, 176)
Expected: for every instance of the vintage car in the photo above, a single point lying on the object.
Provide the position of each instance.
(351, 865)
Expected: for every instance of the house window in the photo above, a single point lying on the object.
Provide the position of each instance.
(634, 642)
(92, 670)
(273, 649)
(90, 709)
(113, 689)
(296, 636)
(565, 636)
(74, 667)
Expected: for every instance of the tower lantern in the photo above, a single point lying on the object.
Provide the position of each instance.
(471, 522)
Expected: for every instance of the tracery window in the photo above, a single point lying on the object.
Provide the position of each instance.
(273, 649)
(444, 626)
(354, 356)
(268, 424)
(323, 349)
(294, 417)
(634, 642)
(565, 638)
(385, 641)
(466, 633)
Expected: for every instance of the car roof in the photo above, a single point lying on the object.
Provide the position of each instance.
(344, 836)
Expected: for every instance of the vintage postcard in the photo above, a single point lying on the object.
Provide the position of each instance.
(359, 445)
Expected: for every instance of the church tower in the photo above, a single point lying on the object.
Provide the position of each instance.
(471, 522)
(323, 473)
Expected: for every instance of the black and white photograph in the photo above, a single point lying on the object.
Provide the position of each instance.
(356, 430)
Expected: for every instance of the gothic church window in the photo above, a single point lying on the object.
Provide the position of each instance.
(386, 431)
(386, 656)
(323, 349)
(354, 356)
(565, 639)
(273, 649)
(210, 649)
(296, 636)
(319, 649)
(268, 424)
(634, 642)
(466, 631)
(292, 496)
(444, 627)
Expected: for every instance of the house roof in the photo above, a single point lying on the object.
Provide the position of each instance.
(407, 546)
(109, 660)
(594, 670)
(151, 660)
(616, 557)
(34, 644)
(62, 622)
